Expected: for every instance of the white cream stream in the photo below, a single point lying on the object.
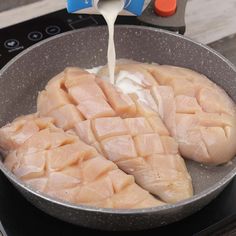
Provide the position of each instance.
(127, 82)
(110, 9)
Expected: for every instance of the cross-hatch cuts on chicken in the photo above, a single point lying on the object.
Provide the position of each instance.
(103, 130)
(59, 164)
(119, 128)
(198, 113)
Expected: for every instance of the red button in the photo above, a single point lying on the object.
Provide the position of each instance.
(165, 7)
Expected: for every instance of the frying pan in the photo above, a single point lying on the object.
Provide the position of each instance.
(25, 75)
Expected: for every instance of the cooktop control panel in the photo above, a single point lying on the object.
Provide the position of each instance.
(16, 38)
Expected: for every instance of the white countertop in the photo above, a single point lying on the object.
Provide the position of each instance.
(206, 20)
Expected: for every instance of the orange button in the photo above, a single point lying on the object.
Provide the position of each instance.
(165, 7)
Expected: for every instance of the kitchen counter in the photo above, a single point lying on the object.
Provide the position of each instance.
(5, 5)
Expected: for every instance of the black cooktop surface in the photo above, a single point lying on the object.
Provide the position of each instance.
(20, 218)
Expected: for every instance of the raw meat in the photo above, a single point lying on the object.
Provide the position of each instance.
(61, 165)
(123, 129)
(198, 113)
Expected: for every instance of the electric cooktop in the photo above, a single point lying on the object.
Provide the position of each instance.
(19, 218)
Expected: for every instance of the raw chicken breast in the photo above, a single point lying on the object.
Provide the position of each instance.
(123, 129)
(13, 135)
(61, 165)
(197, 113)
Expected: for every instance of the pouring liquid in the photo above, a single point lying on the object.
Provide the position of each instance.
(126, 81)
(110, 9)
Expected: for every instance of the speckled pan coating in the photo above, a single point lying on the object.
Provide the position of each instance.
(24, 76)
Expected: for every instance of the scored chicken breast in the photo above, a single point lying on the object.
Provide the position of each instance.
(59, 164)
(198, 113)
(86, 132)
(121, 127)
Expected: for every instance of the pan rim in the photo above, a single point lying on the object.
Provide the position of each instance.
(90, 28)
(157, 209)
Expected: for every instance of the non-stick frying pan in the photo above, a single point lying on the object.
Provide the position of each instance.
(24, 76)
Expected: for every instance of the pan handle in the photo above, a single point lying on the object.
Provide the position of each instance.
(175, 22)
(2, 231)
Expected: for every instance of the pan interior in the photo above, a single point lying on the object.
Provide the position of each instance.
(24, 76)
